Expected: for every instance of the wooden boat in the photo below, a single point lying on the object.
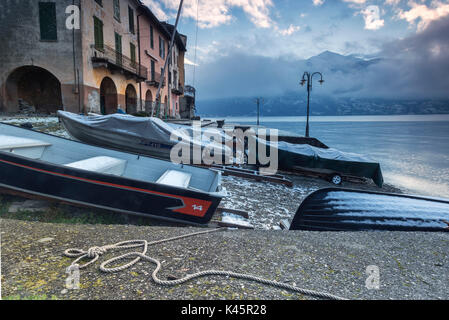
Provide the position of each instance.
(47, 166)
(336, 209)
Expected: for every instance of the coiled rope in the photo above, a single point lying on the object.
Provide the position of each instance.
(95, 253)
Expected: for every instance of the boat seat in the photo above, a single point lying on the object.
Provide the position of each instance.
(175, 179)
(23, 146)
(106, 165)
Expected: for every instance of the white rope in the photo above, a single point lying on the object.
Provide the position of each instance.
(94, 254)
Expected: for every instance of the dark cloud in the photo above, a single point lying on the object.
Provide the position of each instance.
(417, 66)
(414, 67)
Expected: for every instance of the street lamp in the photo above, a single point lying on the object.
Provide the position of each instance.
(259, 101)
(308, 78)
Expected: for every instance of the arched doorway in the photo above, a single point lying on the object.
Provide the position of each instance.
(148, 101)
(108, 96)
(33, 88)
(131, 99)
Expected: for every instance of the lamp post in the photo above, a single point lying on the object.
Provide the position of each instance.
(259, 101)
(308, 78)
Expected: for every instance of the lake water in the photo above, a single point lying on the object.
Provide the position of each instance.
(413, 150)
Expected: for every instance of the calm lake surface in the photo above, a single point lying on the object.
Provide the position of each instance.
(413, 150)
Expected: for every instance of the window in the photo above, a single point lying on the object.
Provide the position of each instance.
(131, 20)
(47, 20)
(161, 47)
(153, 74)
(117, 10)
(100, 2)
(118, 49)
(98, 32)
(133, 54)
(151, 37)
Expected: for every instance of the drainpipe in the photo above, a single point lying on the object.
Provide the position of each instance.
(80, 104)
(76, 72)
(75, 90)
(140, 61)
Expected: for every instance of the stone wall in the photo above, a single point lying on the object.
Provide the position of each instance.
(23, 51)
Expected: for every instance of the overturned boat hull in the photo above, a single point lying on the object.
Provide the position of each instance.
(336, 209)
(59, 169)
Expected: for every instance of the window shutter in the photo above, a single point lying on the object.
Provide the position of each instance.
(118, 49)
(131, 20)
(117, 9)
(98, 31)
(133, 52)
(151, 37)
(47, 19)
(160, 46)
(153, 71)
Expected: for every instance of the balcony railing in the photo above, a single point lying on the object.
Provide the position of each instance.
(179, 90)
(116, 60)
(154, 79)
(190, 91)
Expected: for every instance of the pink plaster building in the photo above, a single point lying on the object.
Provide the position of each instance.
(154, 45)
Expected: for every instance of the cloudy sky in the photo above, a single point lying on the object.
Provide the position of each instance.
(232, 32)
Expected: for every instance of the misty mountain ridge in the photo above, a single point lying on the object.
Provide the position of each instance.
(295, 104)
(346, 91)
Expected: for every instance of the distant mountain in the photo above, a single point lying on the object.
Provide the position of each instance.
(294, 104)
(330, 62)
(346, 91)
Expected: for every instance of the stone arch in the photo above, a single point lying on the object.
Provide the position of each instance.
(148, 101)
(131, 99)
(33, 88)
(108, 96)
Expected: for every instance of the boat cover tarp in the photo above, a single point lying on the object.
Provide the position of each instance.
(153, 129)
(303, 155)
(336, 209)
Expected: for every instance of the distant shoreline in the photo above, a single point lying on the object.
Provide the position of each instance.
(349, 118)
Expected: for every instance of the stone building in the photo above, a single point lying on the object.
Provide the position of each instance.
(111, 62)
(40, 59)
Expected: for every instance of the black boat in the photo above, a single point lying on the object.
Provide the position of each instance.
(336, 209)
(47, 166)
(326, 162)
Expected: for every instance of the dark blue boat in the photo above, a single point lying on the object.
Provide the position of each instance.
(336, 209)
(38, 164)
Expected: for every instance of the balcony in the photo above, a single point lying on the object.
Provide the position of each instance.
(155, 79)
(107, 57)
(190, 91)
(179, 90)
(190, 94)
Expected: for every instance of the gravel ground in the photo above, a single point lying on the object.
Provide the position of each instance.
(412, 265)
